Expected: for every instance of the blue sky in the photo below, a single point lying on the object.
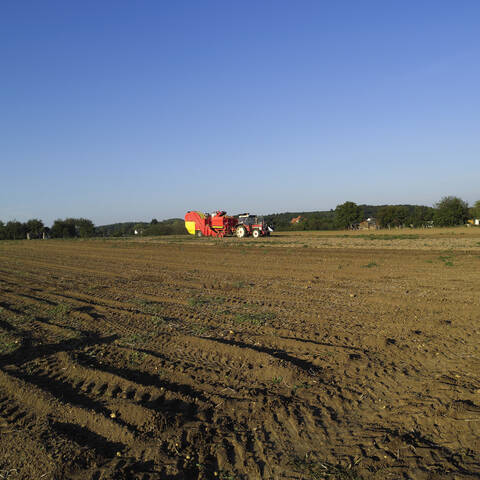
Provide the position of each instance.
(120, 110)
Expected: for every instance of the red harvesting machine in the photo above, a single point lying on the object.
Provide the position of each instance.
(221, 224)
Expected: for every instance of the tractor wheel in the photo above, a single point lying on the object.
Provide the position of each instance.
(256, 233)
(241, 231)
(199, 233)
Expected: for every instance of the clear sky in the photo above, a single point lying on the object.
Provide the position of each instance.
(130, 110)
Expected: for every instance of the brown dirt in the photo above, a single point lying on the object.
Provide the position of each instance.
(183, 358)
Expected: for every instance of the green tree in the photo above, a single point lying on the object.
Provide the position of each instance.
(347, 214)
(394, 216)
(35, 228)
(386, 216)
(15, 230)
(72, 227)
(450, 211)
(3, 233)
(422, 215)
(84, 227)
(63, 228)
(402, 216)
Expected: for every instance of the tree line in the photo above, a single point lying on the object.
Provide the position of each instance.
(35, 228)
(449, 211)
(84, 228)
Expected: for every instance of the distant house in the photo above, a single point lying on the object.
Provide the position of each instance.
(474, 221)
(295, 220)
(368, 224)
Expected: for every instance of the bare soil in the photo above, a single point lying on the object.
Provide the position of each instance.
(300, 356)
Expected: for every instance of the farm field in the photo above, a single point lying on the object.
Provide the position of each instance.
(311, 355)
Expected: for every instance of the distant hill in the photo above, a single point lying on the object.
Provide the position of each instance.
(115, 229)
(172, 226)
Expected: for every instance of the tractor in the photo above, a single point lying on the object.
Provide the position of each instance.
(252, 225)
(220, 224)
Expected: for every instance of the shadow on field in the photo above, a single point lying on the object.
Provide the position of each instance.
(143, 378)
(325, 344)
(303, 365)
(7, 327)
(28, 352)
(86, 438)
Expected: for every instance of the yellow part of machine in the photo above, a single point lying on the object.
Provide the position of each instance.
(190, 226)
